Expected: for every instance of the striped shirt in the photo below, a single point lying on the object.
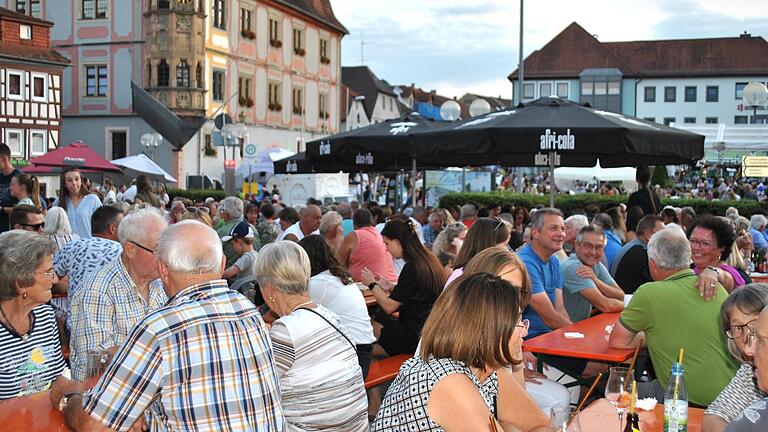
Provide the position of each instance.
(320, 377)
(740, 393)
(30, 366)
(106, 309)
(202, 362)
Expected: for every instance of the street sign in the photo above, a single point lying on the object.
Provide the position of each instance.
(748, 171)
(221, 120)
(754, 161)
(249, 151)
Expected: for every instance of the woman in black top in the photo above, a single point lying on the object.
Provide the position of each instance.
(645, 197)
(418, 286)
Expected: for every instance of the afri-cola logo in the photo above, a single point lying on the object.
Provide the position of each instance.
(553, 141)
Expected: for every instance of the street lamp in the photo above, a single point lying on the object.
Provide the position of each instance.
(150, 142)
(232, 134)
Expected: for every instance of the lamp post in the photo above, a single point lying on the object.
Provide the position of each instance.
(150, 142)
(232, 134)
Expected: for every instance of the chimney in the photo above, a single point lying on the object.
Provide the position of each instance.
(745, 35)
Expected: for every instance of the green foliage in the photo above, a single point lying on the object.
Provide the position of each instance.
(569, 203)
(197, 194)
(660, 176)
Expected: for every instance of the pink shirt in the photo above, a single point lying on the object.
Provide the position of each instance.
(372, 253)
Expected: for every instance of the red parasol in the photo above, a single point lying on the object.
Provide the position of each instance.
(77, 154)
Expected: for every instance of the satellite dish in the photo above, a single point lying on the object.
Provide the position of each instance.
(755, 95)
(450, 110)
(478, 107)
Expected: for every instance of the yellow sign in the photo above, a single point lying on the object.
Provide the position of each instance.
(750, 171)
(754, 161)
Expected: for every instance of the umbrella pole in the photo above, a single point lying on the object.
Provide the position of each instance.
(552, 179)
(413, 182)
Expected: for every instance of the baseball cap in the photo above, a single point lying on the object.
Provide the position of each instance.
(241, 230)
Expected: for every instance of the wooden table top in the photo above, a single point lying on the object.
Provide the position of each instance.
(33, 413)
(370, 300)
(593, 346)
(601, 416)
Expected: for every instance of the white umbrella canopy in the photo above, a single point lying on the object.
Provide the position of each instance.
(142, 164)
(565, 177)
(263, 161)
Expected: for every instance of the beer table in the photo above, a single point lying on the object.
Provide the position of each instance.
(593, 346)
(370, 300)
(31, 413)
(601, 416)
(759, 277)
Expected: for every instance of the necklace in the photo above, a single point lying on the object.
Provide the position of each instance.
(8, 321)
(300, 305)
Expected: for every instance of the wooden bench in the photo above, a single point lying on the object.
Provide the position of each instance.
(384, 370)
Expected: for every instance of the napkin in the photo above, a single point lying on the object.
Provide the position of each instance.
(573, 335)
(646, 404)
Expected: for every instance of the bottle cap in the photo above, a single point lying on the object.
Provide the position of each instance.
(677, 368)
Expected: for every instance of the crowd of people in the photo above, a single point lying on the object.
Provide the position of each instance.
(232, 315)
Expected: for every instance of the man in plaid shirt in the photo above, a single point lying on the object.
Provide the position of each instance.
(202, 362)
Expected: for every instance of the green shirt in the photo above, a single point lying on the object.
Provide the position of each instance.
(673, 315)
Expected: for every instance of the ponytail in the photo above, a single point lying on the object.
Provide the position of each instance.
(31, 185)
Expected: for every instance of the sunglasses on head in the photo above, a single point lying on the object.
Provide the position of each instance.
(198, 209)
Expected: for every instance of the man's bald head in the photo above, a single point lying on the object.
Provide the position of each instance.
(190, 247)
(311, 216)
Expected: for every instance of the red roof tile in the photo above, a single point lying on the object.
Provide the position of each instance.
(32, 54)
(320, 10)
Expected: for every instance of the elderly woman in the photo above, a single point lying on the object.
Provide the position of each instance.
(738, 315)
(331, 230)
(320, 378)
(711, 239)
(450, 239)
(199, 214)
(29, 337)
(468, 367)
(57, 227)
(332, 286)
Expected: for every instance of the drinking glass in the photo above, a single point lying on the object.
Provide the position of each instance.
(96, 362)
(616, 391)
(558, 420)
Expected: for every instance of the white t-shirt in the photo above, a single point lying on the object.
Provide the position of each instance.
(295, 229)
(347, 302)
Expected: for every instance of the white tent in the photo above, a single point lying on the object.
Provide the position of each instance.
(142, 164)
(567, 177)
(262, 161)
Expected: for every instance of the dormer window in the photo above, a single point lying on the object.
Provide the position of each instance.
(25, 32)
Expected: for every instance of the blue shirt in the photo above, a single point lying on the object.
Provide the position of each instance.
(545, 277)
(347, 226)
(578, 307)
(612, 246)
(80, 217)
(758, 239)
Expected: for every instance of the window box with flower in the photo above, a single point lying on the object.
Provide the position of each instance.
(275, 43)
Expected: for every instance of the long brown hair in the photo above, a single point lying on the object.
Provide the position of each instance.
(63, 193)
(493, 260)
(484, 233)
(430, 276)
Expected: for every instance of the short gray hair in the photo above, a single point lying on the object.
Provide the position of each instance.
(329, 221)
(23, 252)
(183, 251)
(578, 221)
(467, 210)
(669, 248)
(590, 229)
(233, 206)
(756, 221)
(134, 225)
(57, 222)
(285, 266)
(537, 219)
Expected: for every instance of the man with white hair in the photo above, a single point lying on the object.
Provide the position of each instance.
(673, 315)
(203, 361)
(757, 230)
(231, 211)
(116, 296)
(468, 214)
(573, 224)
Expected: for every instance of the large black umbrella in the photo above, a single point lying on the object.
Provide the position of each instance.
(553, 131)
(299, 163)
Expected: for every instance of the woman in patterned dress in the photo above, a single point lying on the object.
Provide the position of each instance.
(469, 366)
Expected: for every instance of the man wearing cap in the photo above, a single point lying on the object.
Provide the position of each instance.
(241, 239)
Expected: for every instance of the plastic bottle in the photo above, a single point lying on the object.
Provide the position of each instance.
(676, 402)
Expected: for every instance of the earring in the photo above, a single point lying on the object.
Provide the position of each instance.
(24, 295)
(272, 299)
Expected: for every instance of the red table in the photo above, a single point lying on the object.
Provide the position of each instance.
(31, 413)
(601, 416)
(759, 277)
(593, 346)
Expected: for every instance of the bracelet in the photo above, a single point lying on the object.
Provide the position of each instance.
(713, 268)
(371, 285)
(65, 400)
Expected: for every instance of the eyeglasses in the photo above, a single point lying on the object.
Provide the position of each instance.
(700, 243)
(524, 324)
(142, 247)
(754, 336)
(35, 227)
(50, 273)
(593, 247)
(737, 331)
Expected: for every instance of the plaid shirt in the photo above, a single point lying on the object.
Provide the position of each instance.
(429, 235)
(106, 309)
(202, 362)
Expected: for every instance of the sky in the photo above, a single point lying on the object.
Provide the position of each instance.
(455, 46)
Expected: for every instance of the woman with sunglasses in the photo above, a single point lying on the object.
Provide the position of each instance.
(469, 366)
(29, 336)
(738, 315)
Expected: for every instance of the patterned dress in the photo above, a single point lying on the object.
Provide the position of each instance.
(405, 406)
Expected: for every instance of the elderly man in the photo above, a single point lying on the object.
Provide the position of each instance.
(27, 218)
(119, 294)
(630, 265)
(586, 281)
(433, 228)
(468, 214)
(673, 315)
(231, 211)
(755, 417)
(573, 224)
(203, 361)
(80, 257)
(309, 222)
(757, 230)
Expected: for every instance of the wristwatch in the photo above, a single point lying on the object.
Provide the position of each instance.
(372, 284)
(65, 400)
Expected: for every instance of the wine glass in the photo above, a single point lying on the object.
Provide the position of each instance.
(559, 418)
(616, 391)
